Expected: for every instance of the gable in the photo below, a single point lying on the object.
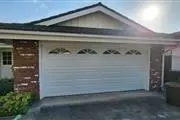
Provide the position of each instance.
(99, 7)
(95, 20)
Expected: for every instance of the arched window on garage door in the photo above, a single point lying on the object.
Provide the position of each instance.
(133, 52)
(111, 51)
(59, 51)
(87, 51)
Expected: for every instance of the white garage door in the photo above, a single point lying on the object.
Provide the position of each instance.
(78, 68)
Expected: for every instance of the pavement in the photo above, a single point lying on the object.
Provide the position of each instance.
(142, 107)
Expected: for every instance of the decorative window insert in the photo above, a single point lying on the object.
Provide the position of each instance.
(133, 52)
(7, 58)
(111, 51)
(59, 51)
(87, 51)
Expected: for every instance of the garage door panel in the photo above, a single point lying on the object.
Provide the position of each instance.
(92, 77)
(66, 90)
(96, 61)
(95, 73)
(93, 68)
(80, 74)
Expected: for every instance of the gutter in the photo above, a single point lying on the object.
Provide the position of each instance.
(174, 47)
(39, 35)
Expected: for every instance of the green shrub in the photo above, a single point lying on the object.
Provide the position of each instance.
(14, 103)
(6, 86)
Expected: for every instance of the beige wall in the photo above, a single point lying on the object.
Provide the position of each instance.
(175, 53)
(95, 20)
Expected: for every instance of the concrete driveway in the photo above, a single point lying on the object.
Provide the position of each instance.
(136, 108)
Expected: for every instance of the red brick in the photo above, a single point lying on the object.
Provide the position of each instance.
(156, 68)
(26, 66)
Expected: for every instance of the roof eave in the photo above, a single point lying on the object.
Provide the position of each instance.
(50, 36)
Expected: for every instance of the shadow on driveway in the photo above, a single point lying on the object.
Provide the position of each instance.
(143, 108)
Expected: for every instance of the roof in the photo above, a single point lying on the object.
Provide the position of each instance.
(32, 26)
(175, 35)
(66, 13)
(85, 8)
(77, 30)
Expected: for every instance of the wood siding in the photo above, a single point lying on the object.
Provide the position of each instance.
(95, 20)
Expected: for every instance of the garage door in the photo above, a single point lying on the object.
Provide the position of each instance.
(80, 68)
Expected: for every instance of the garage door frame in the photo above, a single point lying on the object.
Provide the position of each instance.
(40, 69)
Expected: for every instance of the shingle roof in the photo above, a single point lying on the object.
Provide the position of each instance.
(66, 13)
(84, 30)
(81, 30)
(175, 35)
(76, 30)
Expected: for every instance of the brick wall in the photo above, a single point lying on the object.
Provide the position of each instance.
(25, 66)
(156, 68)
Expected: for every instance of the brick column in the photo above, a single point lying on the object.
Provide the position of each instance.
(25, 66)
(156, 68)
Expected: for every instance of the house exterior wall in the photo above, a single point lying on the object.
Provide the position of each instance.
(172, 64)
(175, 63)
(156, 67)
(26, 66)
(95, 20)
(174, 53)
(175, 56)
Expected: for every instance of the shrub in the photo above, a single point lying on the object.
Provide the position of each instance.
(6, 86)
(14, 103)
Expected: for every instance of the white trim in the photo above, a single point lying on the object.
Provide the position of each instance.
(122, 19)
(149, 69)
(2, 45)
(40, 70)
(162, 76)
(6, 70)
(92, 10)
(52, 36)
(6, 46)
(69, 16)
